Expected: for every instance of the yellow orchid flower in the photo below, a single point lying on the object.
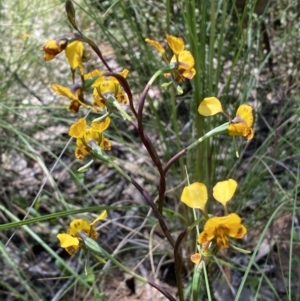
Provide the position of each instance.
(242, 124)
(219, 228)
(71, 241)
(185, 62)
(183, 59)
(74, 52)
(109, 85)
(84, 134)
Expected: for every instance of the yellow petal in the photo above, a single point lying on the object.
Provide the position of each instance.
(105, 144)
(74, 53)
(74, 106)
(241, 232)
(224, 191)
(78, 225)
(101, 216)
(98, 81)
(245, 112)
(121, 96)
(240, 129)
(65, 91)
(81, 152)
(176, 44)
(93, 73)
(77, 130)
(185, 60)
(101, 126)
(242, 124)
(109, 86)
(67, 240)
(124, 73)
(91, 134)
(233, 223)
(222, 240)
(157, 45)
(189, 73)
(195, 196)
(210, 106)
(220, 228)
(206, 236)
(196, 258)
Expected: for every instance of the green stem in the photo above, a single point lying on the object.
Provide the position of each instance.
(98, 153)
(99, 119)
(120, 170)
(176, 129)
(113, 104)
(197, 281)
(96, 249)
(218, 130)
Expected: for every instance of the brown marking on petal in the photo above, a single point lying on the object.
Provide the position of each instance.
(74, 106)
(183, 65)
(71, 249)
(222, 242)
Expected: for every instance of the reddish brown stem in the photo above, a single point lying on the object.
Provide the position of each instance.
(173, 159)
(151, 150)
(162, 290)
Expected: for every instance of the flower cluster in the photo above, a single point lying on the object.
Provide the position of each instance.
(182, 59)
(85, 134)
(216, 228)
(107, 93)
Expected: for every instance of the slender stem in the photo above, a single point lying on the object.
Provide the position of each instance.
(176, 129)
(150, 148)
(178, 264)
(146, 140)
(92, 247)
(99, 119)
(83, 38)
(220, 129)
(157, 213)
(162, 290)
(121, 266)
(174, 159)
(196, 281)
(120, 170)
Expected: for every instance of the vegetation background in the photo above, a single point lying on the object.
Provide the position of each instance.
(245, 52)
